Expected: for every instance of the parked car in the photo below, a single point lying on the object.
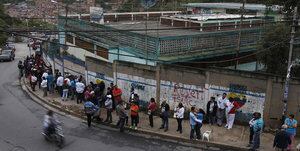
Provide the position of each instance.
(7, 55)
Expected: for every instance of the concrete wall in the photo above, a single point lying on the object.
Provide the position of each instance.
(193, 87)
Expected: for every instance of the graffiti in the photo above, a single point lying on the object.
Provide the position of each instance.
(145, 88)
(100, 75)
(188, 95)
(250, 102)
(137, 86)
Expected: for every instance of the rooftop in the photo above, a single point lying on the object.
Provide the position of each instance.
(140, 26)
(253, 7)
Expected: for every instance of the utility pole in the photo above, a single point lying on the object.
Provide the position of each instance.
(146, 38)
(240, 34)
(65, 27)
(290, 65)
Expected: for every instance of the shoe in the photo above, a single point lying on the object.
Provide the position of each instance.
(249, 145)
(161, 128)
(165, 130)
(180, 132)
(131, 127)
(135, 128)
(226, 126)
(105, 121)
(177, 130)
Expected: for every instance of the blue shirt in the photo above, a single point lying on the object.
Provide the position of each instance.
(200, 116)
(193, 119)
(50, 79)
(89, 104)
(73, 84)
(290, 123)
(258, 125)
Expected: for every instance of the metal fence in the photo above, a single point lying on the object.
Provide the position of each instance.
(154, 47)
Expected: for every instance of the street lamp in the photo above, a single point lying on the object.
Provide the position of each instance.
(286, 87)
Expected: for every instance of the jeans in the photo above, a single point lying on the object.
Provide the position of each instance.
(51, 87)
(89, 119)
(165, 121)
(256, 140)
(251, 135)
(179, 122)
(121, 124)
(134, 121)
(192, 131)
(198, 130)
(60, 91)
(151, 119)
(108, 115)
(80, 98)
(211, 118)
(72, 93)
(45, 91)
(65, 94)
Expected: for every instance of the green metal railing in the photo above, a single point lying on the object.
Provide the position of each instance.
(164, 46)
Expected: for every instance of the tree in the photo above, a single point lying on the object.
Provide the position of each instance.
(275, 49)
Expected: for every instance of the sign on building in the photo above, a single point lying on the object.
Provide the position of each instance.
(96, 15)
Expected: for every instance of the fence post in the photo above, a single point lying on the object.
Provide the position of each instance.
(157, 77)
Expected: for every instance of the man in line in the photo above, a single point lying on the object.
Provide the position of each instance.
(165, 108)
(221, 109)
(59, 84)
(122, 115)
(211, 110)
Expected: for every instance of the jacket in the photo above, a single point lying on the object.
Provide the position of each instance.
(180, 113)
(215, 107)
(193, 119)
(44, 84)
(258, 125)
(108, 103)
(282, 140)
(121, 111)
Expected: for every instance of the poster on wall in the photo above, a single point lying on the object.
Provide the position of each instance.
(96, 15)
(250, 102)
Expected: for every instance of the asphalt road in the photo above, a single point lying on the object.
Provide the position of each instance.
(21, 124)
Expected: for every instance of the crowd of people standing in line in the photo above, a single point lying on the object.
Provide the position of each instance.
(95, 96)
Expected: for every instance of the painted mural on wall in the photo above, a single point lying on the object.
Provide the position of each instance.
(93, 76)
(145, 88)
(188, 95)
(250, 101)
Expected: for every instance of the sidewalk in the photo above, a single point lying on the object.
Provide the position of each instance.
(237, 137)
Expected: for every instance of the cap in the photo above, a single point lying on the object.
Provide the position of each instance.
(108, 96)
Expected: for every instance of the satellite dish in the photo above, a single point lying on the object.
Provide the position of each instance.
(148, 3)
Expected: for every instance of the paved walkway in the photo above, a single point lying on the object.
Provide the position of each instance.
(238, 136)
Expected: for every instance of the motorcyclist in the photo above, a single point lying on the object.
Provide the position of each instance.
(49, 123)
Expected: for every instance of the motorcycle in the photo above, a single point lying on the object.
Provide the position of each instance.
(57, 136)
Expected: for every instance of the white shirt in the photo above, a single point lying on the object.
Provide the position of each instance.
(79, 87)
(60, 81)
(229, 106)
(33, 78)
(180, 113)
(45, 74)
(222, 102)
(44, 84)
(68, 81)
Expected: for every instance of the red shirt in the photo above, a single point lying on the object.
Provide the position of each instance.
(236, 106)
(152, 106)
(117, 92)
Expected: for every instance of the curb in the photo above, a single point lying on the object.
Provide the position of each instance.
(198, 143)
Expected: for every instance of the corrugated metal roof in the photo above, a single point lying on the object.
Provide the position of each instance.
(255, 7)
